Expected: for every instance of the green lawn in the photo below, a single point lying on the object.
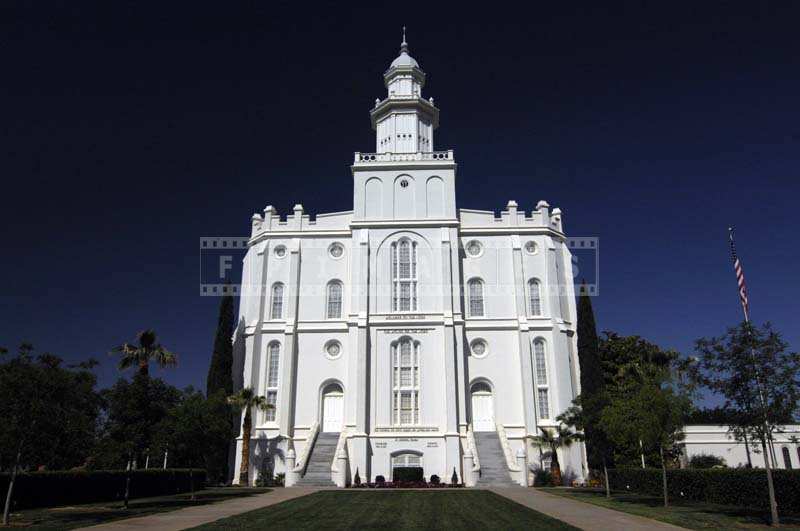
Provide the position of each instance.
(691, 515)
(399, 509)
(96, 513)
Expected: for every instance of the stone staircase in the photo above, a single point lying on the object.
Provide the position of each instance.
(494, 470)
(318, 471)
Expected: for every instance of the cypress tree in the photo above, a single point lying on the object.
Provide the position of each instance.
(219, 384)
(592, 381)
(220, 370)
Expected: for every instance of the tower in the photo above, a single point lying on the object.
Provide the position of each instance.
(405, 179)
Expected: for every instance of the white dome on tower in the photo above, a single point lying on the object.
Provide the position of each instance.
(404, 59)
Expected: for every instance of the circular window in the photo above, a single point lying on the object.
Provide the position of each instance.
(333, 349)
(474, 248)
(336, 250)
(280, 251)
(404, 184)
(479, 348)
(531, 247)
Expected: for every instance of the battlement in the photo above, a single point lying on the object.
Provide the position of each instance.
(298, 221)
(542, 216)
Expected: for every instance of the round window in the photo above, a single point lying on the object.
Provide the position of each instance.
(531, 247)
(404, 184)
(333, 349)
(336, 250)
(479, 348)
(474, 248)
(280, 251)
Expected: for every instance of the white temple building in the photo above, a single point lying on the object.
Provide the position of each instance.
(407, 333)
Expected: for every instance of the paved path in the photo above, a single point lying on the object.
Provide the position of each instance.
(580, 514)
(202, 514)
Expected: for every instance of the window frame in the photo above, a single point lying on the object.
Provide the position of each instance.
(272, 386)
(535, 287)
(334, 284)
(279, 300)
(541, 379)
(411, 389)
(470, 299)
(400, 282)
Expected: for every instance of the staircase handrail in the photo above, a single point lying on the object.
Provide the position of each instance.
(302, 459)
(341, 444)
(473, 448)
(507, 452)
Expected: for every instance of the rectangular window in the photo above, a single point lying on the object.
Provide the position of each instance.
(272, 376)
(541, 362)
(272, 399)
(544, 404)
(405, 381)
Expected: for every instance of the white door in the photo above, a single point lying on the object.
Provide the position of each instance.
(332, 412)
(482, 412)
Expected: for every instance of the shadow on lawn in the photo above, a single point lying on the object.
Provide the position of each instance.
(744, 514)
(96, 513)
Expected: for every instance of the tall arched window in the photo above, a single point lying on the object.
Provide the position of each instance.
(405, 382)
(404, 276)
(540, 364)
(334, 298)
(475, 293)
(534, 297)
(273, 373)
(276, 307)
(787, 459)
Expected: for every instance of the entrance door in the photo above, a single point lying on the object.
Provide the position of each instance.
(482, 408)
(332, 411)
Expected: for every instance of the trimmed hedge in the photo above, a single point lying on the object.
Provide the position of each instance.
(68, 487)
(742, 487)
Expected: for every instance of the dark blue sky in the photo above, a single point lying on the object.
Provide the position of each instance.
(130, 130)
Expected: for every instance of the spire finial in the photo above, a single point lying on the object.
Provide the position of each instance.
(404, 44)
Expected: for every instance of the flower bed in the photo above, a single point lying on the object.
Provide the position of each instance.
(406, 485)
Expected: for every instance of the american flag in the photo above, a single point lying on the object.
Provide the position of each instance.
(737, 267)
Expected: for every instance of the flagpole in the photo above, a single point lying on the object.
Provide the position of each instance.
(773, 505)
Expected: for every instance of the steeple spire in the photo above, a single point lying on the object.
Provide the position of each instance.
(404, 44)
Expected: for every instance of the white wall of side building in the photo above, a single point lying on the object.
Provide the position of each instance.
(716, 440)
(520, 349)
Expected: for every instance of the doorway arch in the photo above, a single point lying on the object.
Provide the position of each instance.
(332, 408)
(482, 406)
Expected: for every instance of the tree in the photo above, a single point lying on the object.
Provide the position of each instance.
(148, 349)
(49, 414)
(618, 354)
(133, 410)
(576, 416)
(706, 461)
(220, 375)
(644, 407)
(553, 438)
(759, 378)
(219, 385)
(192, 430)
(592, 384)
(246, 400)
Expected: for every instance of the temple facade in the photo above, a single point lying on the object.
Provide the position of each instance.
(407, 337)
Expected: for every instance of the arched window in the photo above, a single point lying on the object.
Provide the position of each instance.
(787, 458)
(276, 308)
(540, 365)
(481, 387)
(334, 297)
(534, 297)
(273, 373)
(475, 293)
(404, 276)
(405, 382)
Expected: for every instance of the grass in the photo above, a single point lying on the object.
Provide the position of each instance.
(407, 509)
(70, 517)
(691, 515)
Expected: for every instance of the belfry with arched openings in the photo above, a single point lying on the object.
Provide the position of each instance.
(406, 333)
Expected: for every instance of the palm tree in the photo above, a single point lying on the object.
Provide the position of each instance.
(140, 355)
(554, 438)
(246, 400)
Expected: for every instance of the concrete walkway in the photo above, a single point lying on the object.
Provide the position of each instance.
(189, 517)
(580, 514)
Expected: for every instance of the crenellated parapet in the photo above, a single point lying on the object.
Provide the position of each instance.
(512, 216)
(298, 221)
